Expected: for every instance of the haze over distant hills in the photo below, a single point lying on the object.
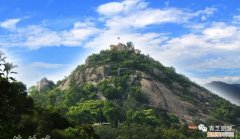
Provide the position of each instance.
(230, 92)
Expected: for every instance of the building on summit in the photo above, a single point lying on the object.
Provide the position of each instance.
(123, 47)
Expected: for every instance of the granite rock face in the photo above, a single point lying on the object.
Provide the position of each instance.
(161, 96)
(158, 73)
(92, 74)
(44, 84)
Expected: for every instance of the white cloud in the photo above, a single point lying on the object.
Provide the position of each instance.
(236, 19)
(124, 7)
(220, 31)
(45, 65)
(147, 17)
(142, 41)
(137, 14)
(207, 12)
(78, 34)
(110, 8)
(217, 46)
(10, 23)
(227, 61)
(124, 15)
(35, 37)
(226, 79)
(31, 73)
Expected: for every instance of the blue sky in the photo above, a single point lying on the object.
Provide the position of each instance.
(49, 38)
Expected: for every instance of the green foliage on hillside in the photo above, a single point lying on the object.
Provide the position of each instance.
(79, 132)
(109, 90)
(138, 131)
(124, 59)
(14, 102)
(226, 111)
(120, 102)
(20, 117)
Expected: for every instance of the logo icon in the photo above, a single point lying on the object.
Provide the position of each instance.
(192, 126)
(202, 127)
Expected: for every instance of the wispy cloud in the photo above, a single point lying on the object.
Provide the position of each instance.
(124, 7)
(10, 23)
(236, 19)
(36, 36)
(115, 16)
(226, 79)
(137, 14)
(31, 73)
(216, 46)
(46, 65)
(125, 18)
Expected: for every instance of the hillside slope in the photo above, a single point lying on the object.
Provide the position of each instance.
(134, 88)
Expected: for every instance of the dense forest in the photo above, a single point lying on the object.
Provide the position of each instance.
(109, 108)
(20, 117)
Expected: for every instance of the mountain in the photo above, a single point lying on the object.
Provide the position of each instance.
(133, 92)
(44, 84)
(230, 92)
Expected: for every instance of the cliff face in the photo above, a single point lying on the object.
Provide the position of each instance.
(161, 96)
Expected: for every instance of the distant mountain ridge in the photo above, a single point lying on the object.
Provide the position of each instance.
(230, 92)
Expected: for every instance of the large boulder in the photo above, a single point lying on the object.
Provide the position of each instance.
(158, 73)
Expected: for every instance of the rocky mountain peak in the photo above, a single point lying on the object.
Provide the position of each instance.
(44, 84)
(134, 81)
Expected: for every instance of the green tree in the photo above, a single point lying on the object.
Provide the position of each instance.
(143, 117)
(86, 112)
(8, 69)
(111, 112)
(14, 101)
(41, 122)
(137, 94)
(78, 132)
(109, 90)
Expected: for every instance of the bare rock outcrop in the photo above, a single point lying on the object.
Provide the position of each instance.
(158, 73)
(160, 96)
(92, 74)
(199, 93)
(44, 84)
(64, 85)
